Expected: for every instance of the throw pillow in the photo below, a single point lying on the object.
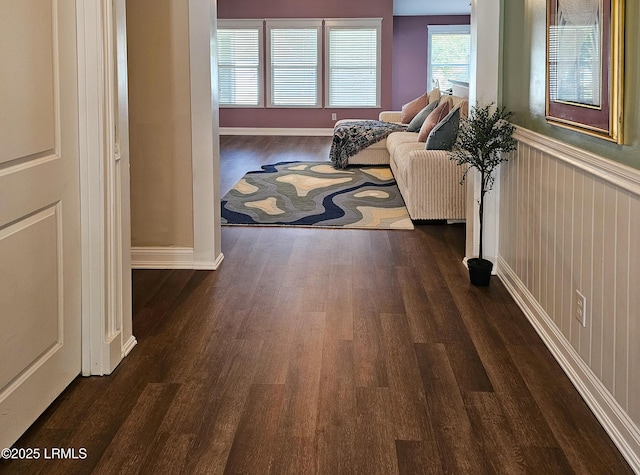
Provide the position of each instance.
(410, 109)
(432, 120)
(418, 120)
(443, 135)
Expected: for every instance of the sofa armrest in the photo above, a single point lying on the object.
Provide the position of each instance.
(390, 116)
(437, 163)
(430, 182)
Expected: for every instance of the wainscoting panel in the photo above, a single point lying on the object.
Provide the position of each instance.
(570, 221)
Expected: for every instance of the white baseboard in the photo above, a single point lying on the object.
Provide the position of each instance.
(206, 265)
(301, 132)
(624, 433)
(128, 346)
(169, 258)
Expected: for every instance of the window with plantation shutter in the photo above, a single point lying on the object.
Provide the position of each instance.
(293, 63)
(352, 55)
(240, 78)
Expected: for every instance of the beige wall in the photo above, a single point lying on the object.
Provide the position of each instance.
(160, 123)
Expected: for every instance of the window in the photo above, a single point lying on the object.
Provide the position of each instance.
(289, 57)
(449, 51)
(353, 63)
(240, 63)
(293, 63)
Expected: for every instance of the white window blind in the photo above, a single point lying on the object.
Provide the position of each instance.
(449, 53)
(353, 63)
(293, 63)
(240, 63)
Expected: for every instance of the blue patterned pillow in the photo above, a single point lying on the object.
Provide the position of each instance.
(443, 135)
(418, 120)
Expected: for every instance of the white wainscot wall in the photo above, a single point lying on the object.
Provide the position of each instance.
(570, 220)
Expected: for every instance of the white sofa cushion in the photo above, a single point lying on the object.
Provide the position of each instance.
(398, 138)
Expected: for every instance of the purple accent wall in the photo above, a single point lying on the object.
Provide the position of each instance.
(311, 118)
(409, 64)
(303, 8)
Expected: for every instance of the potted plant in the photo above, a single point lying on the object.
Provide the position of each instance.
(484, 139)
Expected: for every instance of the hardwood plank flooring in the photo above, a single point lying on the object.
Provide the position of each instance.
(325, 351)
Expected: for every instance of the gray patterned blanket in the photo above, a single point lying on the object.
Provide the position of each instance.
(351, 137)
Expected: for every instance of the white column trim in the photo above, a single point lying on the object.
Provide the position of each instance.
(122, 190)
(90, 101)
(205, 145)
(102, 345)
(486, 31)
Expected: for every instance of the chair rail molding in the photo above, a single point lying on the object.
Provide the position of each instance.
(615, 173)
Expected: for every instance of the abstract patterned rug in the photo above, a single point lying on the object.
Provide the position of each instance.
(316, 194)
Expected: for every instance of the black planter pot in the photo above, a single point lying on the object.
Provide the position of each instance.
(480, 271)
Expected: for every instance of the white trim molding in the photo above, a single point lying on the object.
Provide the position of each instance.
(278, 132)
(615, 173)
(484, 81)
(170, 258)
(128, 346)
(205, 146)
(106, 300)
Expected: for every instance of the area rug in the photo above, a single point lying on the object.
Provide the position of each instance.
(316, 194)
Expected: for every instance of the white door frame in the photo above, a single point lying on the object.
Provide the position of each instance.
(104, 195)
(205, 144)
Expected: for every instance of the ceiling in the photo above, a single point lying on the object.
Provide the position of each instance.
(431, 7)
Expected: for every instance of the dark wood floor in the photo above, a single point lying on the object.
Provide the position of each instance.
(330, 352)
(238, 155)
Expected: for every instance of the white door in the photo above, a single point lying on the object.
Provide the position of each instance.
(39, 210)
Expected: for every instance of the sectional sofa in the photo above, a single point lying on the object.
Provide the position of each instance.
(428, 180)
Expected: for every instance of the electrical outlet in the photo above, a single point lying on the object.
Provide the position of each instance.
(334, 116)
(581, 308)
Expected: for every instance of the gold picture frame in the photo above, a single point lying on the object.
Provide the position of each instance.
(585, 66)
